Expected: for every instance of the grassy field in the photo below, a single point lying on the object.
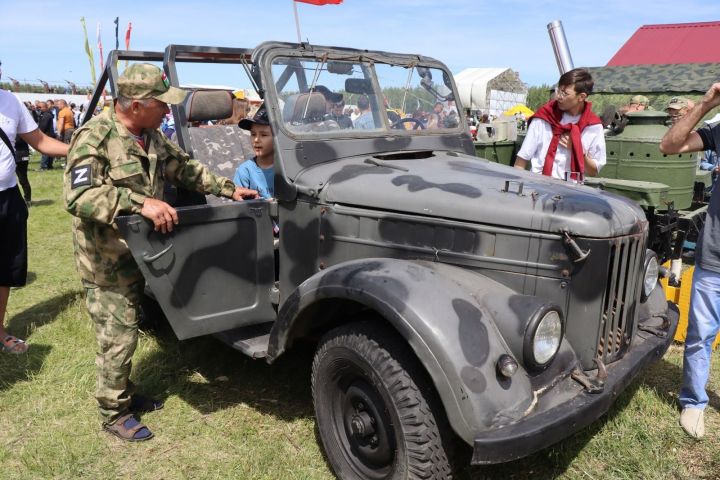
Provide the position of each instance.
(227, 416)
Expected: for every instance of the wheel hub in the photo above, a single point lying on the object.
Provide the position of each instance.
(362, 425)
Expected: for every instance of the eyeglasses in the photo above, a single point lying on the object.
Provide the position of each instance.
(562, 94)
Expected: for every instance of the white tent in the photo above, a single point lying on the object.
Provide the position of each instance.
(490, 90)
(32, 97)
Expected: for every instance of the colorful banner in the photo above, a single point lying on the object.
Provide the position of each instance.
(88, 51)
(127, 36)
(117, 42)
(100, 49)
(321, 2)
(311, 2)
(127, 40)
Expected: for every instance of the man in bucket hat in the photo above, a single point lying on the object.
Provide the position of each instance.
(117, 165)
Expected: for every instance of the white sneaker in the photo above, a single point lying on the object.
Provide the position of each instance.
(691, 420)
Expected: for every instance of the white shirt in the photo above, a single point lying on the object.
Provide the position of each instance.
(539, 136)
(14, 119)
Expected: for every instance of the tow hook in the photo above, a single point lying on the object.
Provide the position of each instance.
(658, 331)
(591, 385)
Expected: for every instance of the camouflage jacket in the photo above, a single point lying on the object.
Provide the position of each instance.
(108, 175)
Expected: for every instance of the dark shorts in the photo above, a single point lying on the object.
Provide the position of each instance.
(13, 238)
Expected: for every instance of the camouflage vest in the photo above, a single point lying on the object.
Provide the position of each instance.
(108, 175)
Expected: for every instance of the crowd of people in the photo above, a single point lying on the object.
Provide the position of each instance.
(56, 119)
(565, 140)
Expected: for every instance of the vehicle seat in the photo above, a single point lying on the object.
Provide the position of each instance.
(221, 148)
(305, 112)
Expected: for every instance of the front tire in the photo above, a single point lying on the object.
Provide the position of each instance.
(374, 407)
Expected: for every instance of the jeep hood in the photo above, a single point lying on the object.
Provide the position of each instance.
(461, 187)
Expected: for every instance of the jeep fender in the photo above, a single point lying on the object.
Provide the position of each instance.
(447, 316)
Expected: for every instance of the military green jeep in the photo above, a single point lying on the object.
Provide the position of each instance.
(450, 297)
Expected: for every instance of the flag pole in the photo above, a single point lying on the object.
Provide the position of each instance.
(297, 21)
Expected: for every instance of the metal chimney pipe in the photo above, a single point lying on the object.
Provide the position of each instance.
(560, 46)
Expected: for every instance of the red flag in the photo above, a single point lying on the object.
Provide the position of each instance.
(127, 36)
(321, 2)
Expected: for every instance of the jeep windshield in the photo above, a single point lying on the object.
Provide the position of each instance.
(362, 97)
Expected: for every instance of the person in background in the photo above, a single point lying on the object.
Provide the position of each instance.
(437, 117)
(677, 108)
(365, 119)
(77, 113)
(336, 114)
(704, 318)
(45, 124)
(33, 112)
(637, 103)
(53, 111)
(239, 111)
(65, 122)
(15, 121)
(565, 138)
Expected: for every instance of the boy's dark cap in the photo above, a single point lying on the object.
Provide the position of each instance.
(260, 118)
(329, 95)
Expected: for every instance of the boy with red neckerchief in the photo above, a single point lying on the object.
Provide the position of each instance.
(565, 138)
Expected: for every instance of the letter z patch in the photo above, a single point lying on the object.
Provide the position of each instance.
(81, 176)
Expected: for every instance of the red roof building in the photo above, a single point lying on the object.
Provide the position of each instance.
(671, 43)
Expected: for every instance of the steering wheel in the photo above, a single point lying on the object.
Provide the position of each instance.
(399, 123)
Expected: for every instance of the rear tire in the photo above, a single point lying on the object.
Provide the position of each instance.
(375, 407)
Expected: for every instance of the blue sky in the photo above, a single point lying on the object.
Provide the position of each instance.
(44, 39)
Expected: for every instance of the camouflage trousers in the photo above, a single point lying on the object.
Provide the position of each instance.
(114, 312)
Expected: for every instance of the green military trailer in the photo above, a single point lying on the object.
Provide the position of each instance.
(452, 302)
(669, 188)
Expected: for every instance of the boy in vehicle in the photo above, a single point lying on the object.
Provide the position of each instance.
(258, 172)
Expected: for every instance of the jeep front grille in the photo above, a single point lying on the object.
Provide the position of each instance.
(623, 287)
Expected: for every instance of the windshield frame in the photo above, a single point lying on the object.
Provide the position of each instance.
(368, 60)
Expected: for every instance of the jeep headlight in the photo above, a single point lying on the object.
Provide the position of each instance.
(650, 275)
(543, 337)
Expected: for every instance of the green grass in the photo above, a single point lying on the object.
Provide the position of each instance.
(227, 416)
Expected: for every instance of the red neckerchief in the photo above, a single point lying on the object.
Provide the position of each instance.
(551, 113)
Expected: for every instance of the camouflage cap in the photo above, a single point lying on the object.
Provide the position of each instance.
(640, 100)
(677, 103)
(143, 80)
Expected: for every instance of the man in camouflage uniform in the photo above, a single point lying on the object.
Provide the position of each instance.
(117, 165)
